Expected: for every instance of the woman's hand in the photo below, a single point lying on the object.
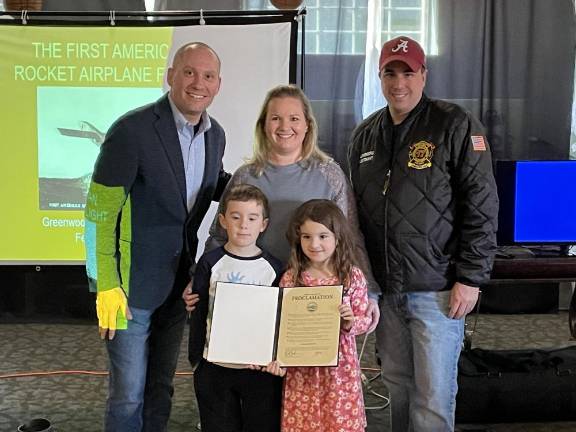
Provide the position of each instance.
(346, 315)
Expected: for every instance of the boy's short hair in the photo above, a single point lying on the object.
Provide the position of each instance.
(243, 193)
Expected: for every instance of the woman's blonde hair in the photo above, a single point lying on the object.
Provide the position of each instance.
(327, 213)
(262, 145)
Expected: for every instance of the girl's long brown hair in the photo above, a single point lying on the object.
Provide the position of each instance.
(327, 213)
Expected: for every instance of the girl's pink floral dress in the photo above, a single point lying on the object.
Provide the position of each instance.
(329, 399)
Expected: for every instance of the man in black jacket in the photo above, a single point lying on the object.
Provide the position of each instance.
(422, 175)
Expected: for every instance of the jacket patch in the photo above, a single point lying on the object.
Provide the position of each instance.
(478, 143)
(420, 155)
(367, 157)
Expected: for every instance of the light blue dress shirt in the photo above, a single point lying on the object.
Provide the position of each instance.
(193, 152)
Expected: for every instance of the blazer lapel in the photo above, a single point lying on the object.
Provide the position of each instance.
(211, 156)
(166, 129)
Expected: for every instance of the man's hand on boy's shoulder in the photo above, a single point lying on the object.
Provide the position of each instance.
(190, 298)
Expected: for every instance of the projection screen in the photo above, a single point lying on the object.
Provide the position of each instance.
(63, 86)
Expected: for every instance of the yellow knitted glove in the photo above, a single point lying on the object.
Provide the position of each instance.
(112, 310)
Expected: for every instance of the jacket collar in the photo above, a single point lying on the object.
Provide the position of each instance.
(387, 118)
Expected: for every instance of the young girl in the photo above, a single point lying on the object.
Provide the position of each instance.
(327, 399)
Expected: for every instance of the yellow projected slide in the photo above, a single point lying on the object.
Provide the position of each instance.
(61, 90)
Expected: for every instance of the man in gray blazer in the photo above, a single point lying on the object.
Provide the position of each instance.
(159, 168)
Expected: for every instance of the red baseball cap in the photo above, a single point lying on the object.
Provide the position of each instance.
(403, 49)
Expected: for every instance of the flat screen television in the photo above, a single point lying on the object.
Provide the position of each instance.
(537, 202)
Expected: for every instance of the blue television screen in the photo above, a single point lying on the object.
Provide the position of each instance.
(537, 202)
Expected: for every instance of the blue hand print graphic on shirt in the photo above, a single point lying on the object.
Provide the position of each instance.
(235, 277)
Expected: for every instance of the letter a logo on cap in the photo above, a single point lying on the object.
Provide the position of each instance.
(404, 49)
(402, 45)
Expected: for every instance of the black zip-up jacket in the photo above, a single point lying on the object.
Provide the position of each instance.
(426, 196)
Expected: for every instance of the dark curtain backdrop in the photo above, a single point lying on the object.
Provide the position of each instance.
(511, 62)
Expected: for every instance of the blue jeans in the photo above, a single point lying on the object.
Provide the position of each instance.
(419, 347)
(142, 366)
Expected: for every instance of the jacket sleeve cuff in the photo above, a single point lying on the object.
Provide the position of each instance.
(372, 295)
(468, 282)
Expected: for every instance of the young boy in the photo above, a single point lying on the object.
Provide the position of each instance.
(234, 397)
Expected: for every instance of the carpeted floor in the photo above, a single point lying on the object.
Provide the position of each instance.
(75, 402)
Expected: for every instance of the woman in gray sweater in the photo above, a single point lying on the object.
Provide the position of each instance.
(289, 167)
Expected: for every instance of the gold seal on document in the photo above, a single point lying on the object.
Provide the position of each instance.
(312, 307)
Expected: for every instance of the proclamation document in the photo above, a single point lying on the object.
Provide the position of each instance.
(309, 326)
(252, 324)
